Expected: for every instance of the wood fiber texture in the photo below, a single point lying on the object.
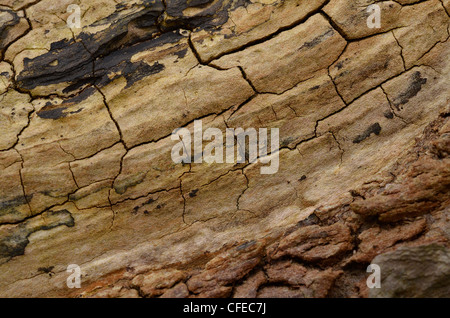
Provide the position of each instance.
(86, 175)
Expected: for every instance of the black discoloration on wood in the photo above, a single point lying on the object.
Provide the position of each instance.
(74, 65)
(52, 113)
(132, 72)
(181, 53)
(8, 19)
(46, 270)
(86, 60)
(286, 141)
(146, 204)
(16, 239)
(9, 207)
(58, 111)
(122, 186)
(193, 193)
(388, 114)
(18, 201)
(210, 14)
(119, 62)
(310, 220)
(415, 86)
(75, 58)
(317, 40)
(118, 34)
(373, 129)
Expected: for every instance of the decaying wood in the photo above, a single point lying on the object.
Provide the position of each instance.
(86, 116)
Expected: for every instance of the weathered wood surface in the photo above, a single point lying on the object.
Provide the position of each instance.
(86, 175)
